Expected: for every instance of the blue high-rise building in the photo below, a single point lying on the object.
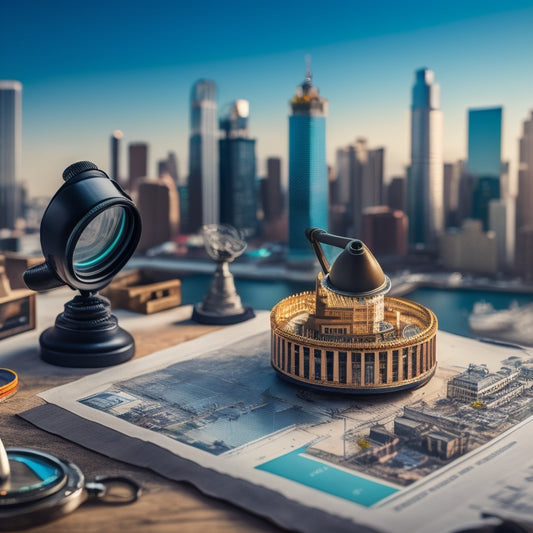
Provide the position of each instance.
(203, 157)
(484, 158)
(308, 173)
(238, 197)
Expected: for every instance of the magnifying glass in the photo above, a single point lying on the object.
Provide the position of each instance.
(36, 487)
(89, 231)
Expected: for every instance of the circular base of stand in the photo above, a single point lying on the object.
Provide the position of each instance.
(221, 320)
(86, 335)
(86, 349)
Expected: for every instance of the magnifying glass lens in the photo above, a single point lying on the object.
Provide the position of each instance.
(100, 241)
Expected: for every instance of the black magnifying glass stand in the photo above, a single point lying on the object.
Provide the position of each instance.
(86, 334)
(89, 231)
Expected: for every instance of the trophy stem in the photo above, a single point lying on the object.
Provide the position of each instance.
(222, 305)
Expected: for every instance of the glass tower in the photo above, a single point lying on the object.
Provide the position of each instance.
(10, 150)
(308, 174)
(484, 158)
(203, 156)
(238, 205)
(115, 155)
(425, 186)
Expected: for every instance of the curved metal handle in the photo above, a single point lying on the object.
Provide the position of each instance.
(114, 490)
(317, 236)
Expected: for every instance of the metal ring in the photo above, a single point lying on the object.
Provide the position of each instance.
(103, 488)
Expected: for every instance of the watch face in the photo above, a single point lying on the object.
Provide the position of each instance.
(33, 476)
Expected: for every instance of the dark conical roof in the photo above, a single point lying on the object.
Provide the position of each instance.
(356, 272)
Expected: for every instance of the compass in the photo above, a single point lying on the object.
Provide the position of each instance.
(36, 487)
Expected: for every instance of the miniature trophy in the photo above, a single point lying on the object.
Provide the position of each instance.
(222, 305)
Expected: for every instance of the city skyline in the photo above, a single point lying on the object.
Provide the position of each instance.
(75, 96)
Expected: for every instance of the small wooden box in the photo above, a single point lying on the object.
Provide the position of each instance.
(16, 265)
(17, 307)
(143, 291)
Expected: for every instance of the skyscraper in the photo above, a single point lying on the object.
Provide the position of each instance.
(204, 195)
(238, 205)
(115, 154)
(308, 172)
(172, 167)
(524, 253)
(271, 194)
(425, 174)
(396, 193)
(138, 164)
(502, 216)
(524, 201)
(484, 159)
(359, 182)
(10, 150)
(158, 205)
(452, 178)
(384, 230)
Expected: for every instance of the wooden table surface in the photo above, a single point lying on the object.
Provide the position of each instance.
(165, 505)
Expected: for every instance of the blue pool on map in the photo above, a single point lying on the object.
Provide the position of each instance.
(303, 469)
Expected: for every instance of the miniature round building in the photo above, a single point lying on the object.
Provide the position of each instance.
(346, 336)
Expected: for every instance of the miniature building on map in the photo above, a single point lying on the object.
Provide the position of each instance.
(477, 384)
(445, 445)
(347, 336)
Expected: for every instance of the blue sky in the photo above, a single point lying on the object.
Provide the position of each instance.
(89, 68)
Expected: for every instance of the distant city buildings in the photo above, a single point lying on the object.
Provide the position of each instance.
(352, 197)
(502, 220)
(425, 175)
(204, 196)
(469, 249)
(169, 166)
(158, 205)
(385, 230)
(116, 138)
(484, 162)
(452, 180)
(524, 253)
(274, 224)
(271, 193)
(358, 183)
(172, 167)
(10, 152)
(137, 164)
(524, 205)
(397, 193)
(308, 174)
(237, 170)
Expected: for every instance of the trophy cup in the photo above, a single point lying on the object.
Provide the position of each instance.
(222, 305)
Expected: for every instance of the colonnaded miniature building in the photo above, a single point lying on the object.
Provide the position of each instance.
(347, 336)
